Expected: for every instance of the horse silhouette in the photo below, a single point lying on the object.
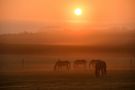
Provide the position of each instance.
(62, 65)
(80, 63)
(100, 67)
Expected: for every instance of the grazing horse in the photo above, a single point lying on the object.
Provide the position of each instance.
(62, 66)
(80, 63)
(100, 67)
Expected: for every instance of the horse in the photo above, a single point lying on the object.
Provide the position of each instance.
(62, 65)
(80, 63)
(100, 67)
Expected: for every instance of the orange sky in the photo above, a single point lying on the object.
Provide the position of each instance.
(95, 12)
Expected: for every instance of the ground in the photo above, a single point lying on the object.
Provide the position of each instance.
(115, 80)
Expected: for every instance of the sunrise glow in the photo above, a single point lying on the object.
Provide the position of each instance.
(78, 11)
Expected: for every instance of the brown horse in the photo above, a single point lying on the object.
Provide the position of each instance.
(62, 65)
(100, 67)
(80, 63)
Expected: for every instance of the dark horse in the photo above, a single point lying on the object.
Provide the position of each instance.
(100, 67)
(80, 63)
(62, 65)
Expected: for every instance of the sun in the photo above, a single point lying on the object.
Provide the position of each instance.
(78, 11)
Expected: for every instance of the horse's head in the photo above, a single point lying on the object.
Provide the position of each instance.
(92, 63)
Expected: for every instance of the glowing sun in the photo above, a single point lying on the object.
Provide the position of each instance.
(78, 11)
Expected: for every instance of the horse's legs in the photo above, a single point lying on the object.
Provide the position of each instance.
(68, 67)
(97, 73)
(85, 67)
(54, 68)
(57, 68)
(60, 68)
(103, 70)
(74, 66)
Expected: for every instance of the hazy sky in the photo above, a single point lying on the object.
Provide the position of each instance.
(62, 10)
(94, 12)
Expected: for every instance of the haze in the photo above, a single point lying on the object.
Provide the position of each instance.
(57, 19)
(95, 12)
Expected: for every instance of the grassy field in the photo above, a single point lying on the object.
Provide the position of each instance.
(115, 80)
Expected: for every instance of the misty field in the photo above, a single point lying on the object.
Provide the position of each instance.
(23, 70)
(115, 80)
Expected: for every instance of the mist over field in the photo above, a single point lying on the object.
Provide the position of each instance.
(43, 49)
